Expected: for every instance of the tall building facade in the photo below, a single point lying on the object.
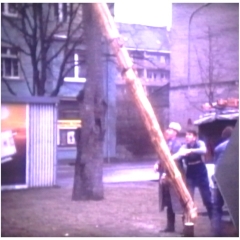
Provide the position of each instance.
(204, 57)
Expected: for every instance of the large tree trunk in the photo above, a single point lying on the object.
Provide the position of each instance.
(88, 169)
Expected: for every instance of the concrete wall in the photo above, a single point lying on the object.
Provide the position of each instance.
(216, 24)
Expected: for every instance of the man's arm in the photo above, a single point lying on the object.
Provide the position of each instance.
(202, 149)
(180, 153)
(183, 151)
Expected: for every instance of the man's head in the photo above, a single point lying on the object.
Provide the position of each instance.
(191, 136)
(173, 129)
(227, 132)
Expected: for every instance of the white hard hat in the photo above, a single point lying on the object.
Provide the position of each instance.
(175, 126)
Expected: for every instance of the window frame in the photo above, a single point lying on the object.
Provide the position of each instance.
(151, 75)
(60, 12)
(76, 70)
(155, 74)
(66, 131)
(67, 127)
(6, 11)
(5, 56)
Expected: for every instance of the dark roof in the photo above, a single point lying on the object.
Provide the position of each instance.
(228, 114)
(138, 37)
(30, 99)
(222, 109)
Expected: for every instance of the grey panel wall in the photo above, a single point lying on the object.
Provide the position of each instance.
(42, 145)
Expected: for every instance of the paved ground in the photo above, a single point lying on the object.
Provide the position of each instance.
(112, 172)
(135, 171)
(116, 172)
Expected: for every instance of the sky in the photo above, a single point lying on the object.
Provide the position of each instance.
(147, 12)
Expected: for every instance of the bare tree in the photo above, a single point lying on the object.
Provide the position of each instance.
(209, 64)
(38, 35)
(211, 46)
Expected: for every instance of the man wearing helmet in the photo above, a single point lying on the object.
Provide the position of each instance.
(167, 196)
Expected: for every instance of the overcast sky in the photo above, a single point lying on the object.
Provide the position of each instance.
(147, 12)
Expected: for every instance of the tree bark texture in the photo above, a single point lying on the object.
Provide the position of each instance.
(88, 184)
(125, 63)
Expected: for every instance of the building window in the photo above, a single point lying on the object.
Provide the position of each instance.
(153, 74)
(76, 67)
(165, 74)
(157, 74)
(68, 122)
(66, 132)
(62, 11)
(9, 9)
(150, 66)
(9, 62)
(66, 137)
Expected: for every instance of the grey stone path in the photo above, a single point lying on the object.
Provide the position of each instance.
(118, 172)
(112, 173)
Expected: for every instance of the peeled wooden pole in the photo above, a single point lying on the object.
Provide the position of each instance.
(110, 31)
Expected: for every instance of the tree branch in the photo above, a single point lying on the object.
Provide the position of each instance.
(10, 42)
(60, 80)
(8, 86)
(36, 31)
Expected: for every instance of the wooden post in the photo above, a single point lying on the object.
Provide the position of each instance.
(124, 61)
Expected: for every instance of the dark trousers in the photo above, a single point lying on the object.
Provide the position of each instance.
(218, 203)
(170, 212)
(197, 176)
(170, 217)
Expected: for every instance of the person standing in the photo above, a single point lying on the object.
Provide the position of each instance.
(196, 172)
(218, 201)
(167, 195)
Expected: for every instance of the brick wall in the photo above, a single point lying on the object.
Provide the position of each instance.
(217, 23)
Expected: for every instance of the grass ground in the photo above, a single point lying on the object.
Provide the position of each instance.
(128, 210)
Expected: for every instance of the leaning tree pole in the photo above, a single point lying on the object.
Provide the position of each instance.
(125, 63)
